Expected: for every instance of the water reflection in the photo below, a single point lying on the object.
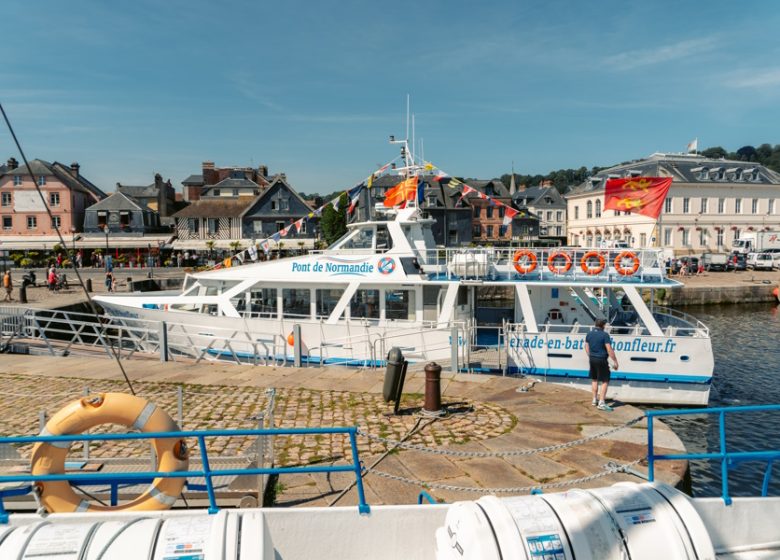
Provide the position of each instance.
(746, 344)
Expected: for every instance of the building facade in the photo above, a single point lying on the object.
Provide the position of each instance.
(159, 197)
(211, 176)
(67, 193)
(710, 203)
(120, 214)
(548, 205)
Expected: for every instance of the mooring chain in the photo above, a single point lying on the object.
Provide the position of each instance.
(511, 453)
(611, 468)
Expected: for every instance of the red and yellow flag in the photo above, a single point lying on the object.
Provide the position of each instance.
(403, 191)
(641, 195)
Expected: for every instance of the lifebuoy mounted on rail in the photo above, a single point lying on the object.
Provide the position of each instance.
(524, 261)
(626, 270)
(109, 408)
(585, 263)
(559, 268)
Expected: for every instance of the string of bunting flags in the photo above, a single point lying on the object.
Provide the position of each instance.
(353, 195)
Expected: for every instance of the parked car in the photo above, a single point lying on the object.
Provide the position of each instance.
(715, 261)
(767, 261)
(738, 261)
(751, 260)
(691, 264)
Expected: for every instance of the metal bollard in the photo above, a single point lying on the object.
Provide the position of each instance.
(129, 284)
(89, 284)
(432, 388)
(23, 294)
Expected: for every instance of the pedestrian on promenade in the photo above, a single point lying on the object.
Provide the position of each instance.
(59, 260)
(109, 263)
(599, 348)
(51, 279)
(79, 258)
(180, 259)
(109, 281)
(8, 284)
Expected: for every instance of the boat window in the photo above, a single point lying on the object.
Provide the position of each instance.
(263, 302)
(365, 304)
(239, 302)
(363, 239)
(326, 301)
(384, 241)
(399, 305)
(296, 302)
(463, 296)
(431, 302)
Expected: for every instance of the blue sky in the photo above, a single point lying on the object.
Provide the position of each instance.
(314, 89)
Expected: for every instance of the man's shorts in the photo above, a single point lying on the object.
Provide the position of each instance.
(599, 370)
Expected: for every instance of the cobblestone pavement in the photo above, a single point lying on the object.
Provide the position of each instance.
(226, 407)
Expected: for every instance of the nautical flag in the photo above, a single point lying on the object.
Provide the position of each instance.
(227, 263)
(509, 214)
(264, 246)
(370, 180)
(693, 146)
(429, 166)
(466, 188)
(641, 195)
(276, 236)
(239, 257)
(253, 253)
(298, 224)
(335, 203)
(354, 197)
(403, 191)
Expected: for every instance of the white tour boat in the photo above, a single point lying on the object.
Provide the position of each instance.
(385, 284)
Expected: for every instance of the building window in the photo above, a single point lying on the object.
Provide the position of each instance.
(736, 234)
(280, 226)
(558, 231)
(667, 237)
(193, 225)
(755, 206)
(738, 206)
(32, 222)
(41, 180)
(476, 231)
(235, 192)
(489, 212)
(17, 180)
(702, 237)
(8, 222)
(617, 212)
(477, 211)
(55, 222)
(102, 218)
(284, 204)
(668, 205)
(490, 231)
(215, 192)
(303, 227)
(212, 226)
(559, 216)
(502, 231)
(686, 205)
(686, 241)
(6, 199)
(721, 205)
(54, 199)
(598, 208)
(719, 238)
(124, 219)
(589, 213)
(549, 215)
(704, 204)
(501, 211)
(643, 240)
(576, 212)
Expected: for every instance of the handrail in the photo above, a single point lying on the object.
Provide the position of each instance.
(205, 472)
(726, 458)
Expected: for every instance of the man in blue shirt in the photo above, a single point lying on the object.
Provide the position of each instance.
(598, 348)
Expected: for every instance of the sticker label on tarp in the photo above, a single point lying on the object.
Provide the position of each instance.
(639, 518)
(546, 547)
(185, 538)
(61, 541)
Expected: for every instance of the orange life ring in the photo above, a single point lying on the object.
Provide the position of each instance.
(109, 408)
(522, 268)
(563, 269)
(626, 270)
(593, 255)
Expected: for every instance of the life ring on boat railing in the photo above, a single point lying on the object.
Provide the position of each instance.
(559, 269)
(291, 339)
(525, 256)
(109, 408)
(584, 263)
(626, 270)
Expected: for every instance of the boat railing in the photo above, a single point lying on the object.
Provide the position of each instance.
(21, 484)
(537, 264)
(681, 320)
(728, 460)
(614, 330)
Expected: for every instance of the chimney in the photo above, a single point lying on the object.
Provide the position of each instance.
(74, 169)
(262, 170)
(210, 175)
(162, 195)
(12, 163)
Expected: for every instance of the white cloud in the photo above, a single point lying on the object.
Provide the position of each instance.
(647, 57)
(758, 78)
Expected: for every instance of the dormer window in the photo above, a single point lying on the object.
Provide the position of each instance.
(735, 173)
(633, 173)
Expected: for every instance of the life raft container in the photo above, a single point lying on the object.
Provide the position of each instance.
(585, 263)
(626, 270)
(524, 261)
(559, 268)
(109, 408)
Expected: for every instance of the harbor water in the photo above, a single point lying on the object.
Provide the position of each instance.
(746, 345)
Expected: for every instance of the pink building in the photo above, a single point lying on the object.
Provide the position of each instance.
(66, 192)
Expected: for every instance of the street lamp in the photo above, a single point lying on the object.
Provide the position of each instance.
(105, 257)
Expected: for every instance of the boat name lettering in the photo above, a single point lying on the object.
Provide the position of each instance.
(335, 268)
(568, 343)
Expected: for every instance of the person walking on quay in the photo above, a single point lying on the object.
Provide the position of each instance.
(109, 281)
(8, 284)
(51, 279)
(598, 348)
(79, 258)
(180, 259)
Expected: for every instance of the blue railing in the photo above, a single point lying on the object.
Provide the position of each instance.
(728, 459)
(115, 480)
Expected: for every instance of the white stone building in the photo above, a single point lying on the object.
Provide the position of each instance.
(709, 204)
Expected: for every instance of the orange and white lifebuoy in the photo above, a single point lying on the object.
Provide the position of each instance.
(559, 268)
(109, 408)
(626, 270)
(585, 263)
(524, 261)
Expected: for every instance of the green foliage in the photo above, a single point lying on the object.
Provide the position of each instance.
(57, 248)
(334, 222)
(235, 245)
(25, 262)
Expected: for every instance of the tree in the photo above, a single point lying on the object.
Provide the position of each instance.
(334, 222)
(714, 153)
(747, 153)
